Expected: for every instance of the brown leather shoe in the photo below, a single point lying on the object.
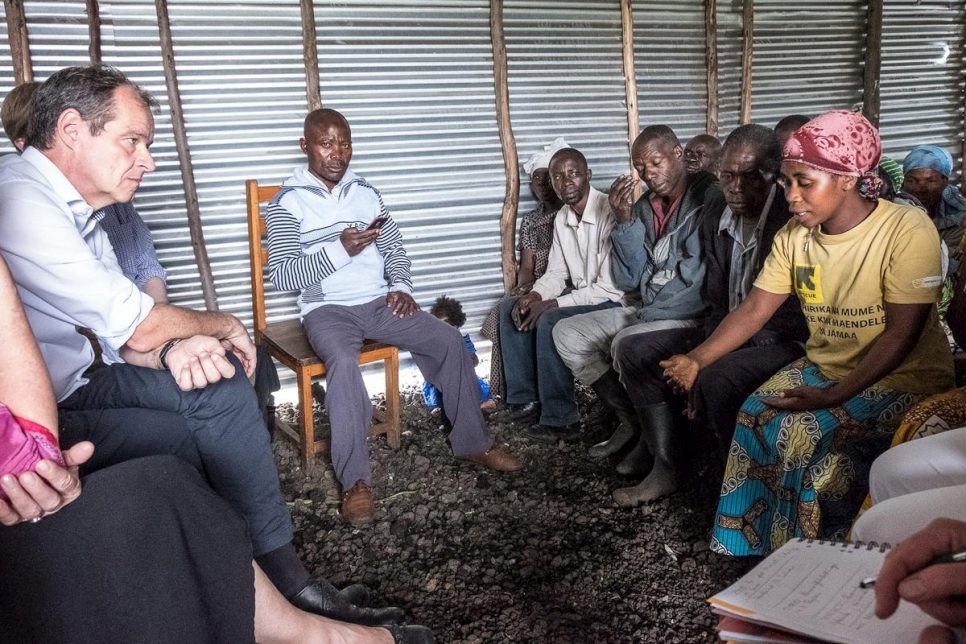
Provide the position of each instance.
(357, 505)
(495, 459)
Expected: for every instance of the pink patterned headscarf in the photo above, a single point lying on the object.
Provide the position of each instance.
(842, 143)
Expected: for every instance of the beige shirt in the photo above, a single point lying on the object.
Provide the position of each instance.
(581, 253)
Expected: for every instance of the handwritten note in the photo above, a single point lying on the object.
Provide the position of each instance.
(813, 589)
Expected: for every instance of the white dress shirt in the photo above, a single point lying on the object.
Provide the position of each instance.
(581, 253)
(65, 269)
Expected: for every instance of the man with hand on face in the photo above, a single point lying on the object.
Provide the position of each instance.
(331, 237)
(538, 385)
(174, 381)
(735, 247)
(703, 154)
(657, 256)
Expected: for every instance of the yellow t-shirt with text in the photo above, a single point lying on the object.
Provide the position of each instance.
(843, 281)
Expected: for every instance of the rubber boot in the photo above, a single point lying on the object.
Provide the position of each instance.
(611, 392)
(657, 422)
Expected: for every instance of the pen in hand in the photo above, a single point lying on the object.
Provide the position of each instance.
(949, 557)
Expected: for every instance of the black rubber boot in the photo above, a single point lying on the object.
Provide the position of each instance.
(611, 392)
(657, 422)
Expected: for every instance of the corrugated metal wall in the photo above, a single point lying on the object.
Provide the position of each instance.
(808, 58)
(566, 79)
(923, 76)
(415, 80)
(669, 57)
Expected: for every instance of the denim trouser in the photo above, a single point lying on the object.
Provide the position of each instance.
(533, 369)
(129, 412)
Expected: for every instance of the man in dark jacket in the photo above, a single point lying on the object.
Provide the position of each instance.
(657, 260)
(735, 246)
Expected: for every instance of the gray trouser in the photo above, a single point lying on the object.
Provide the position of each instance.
(585, 342)
(336, 333)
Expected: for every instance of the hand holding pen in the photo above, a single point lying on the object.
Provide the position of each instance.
(915, 570)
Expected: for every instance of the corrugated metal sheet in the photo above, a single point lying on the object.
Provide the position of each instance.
(415, 80)
(729, 65)
(807, 58)
(566, 79)
(669, 57)
(6, 74)
(922, 76)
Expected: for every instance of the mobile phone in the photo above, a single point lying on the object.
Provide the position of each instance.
(377, 223)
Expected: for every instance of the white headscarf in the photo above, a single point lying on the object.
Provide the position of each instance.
(542, 159)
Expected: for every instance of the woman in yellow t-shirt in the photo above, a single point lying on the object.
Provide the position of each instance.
(868, 274)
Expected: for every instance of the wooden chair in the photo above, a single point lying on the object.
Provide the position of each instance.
(287, 343)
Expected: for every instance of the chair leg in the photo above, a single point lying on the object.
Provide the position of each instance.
(393, 430)
(306, 420)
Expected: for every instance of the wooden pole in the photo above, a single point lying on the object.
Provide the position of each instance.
(94, 31)
(184, 159)
(310, 51)
(747, 52)
(873, 62)
(630, 86)
(511, 199)
(711, 62)
(19, 43)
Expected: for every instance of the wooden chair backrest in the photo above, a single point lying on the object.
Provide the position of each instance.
(256, 195)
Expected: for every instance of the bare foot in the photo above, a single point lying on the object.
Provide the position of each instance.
(488, 405)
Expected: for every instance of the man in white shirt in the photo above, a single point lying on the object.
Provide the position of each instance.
(538, 384)
(88, 148)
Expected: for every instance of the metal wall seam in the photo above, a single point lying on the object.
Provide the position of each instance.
(922, 76)
(669, 54)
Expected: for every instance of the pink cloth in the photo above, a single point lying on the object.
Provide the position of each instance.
(839, 142)
(22, 444)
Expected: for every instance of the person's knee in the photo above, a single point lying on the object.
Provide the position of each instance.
(562, 333)
(633, 354)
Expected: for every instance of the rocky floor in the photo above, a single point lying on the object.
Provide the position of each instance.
(538, 556)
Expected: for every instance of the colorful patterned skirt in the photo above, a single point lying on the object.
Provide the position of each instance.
(801, 474)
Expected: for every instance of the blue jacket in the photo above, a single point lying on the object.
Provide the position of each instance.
(668, 273)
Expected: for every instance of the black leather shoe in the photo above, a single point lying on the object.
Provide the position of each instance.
(525, 412)
(547, 434)
(321, 598)
(410, 634)
(357, 595)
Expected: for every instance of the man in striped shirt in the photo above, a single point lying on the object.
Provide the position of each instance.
(331, 237)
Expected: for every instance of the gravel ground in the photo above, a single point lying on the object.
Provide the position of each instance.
(542, 555)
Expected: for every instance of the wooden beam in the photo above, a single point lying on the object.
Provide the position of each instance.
(19, 42)
(630, 86)
(94, 31)
(310, 52)
(511, 164)
(747, 53)
(711, 63)
(871, 104)
(184, 158)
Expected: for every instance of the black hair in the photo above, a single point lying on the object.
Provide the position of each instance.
(761, 138)
(89, 90)
(449, 308)
(791, 123)
(323, 115)
(661, 133)
(572, 153)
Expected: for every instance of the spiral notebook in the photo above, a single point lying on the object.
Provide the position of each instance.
(811, 588)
